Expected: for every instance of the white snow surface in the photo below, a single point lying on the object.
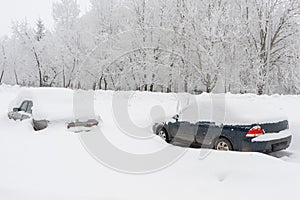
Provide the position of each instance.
(53, 164)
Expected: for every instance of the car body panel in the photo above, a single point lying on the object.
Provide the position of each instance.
(204, 134)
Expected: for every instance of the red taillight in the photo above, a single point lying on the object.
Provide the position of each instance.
(255, 131)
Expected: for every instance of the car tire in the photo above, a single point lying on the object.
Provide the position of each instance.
(223, 144)
(163, 134)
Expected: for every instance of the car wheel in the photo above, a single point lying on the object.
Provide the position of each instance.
(163, 135)
(223, 144)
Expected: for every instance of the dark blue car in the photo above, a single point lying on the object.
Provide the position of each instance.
(260, 137)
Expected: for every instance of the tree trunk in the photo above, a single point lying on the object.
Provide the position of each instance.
(169, 89)
(16, 77)
(260, 89)
(64, 77)
(185, 86)
(102, 79)
(39, 69)
(151, 87)
(1, 77)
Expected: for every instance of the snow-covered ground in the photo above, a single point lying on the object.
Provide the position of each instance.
(53, 164)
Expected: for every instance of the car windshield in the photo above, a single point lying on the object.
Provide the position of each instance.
(24, 106)
(29, 108)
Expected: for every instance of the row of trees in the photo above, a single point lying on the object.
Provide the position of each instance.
(160, 45)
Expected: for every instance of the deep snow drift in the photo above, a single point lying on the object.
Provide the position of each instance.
(53, 164)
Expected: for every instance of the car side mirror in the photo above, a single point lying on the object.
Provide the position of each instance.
(176, 117)
(16, 109)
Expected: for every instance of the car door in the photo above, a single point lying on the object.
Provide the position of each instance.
(24, 111)
(184, 132)
(29, 107)
(207, 132)
(202, 132)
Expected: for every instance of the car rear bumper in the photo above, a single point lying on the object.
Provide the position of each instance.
(267, 146)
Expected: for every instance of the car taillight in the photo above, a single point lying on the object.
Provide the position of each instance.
(255, 132)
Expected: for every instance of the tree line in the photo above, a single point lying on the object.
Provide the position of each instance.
(160, 45)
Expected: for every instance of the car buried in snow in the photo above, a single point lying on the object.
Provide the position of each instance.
(46, 106)
(24, 112)
(257, 134)
(264, 138)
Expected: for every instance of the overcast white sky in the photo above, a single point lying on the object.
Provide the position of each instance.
(31, 10)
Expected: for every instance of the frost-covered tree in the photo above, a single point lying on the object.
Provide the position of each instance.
(160, 45)
(3, 61)
(268, 27)
(3, 58)
(32, 53)
(40, 30)
(66, 16)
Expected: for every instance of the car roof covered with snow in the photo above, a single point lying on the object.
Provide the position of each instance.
(228, 109)
(54, 103)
